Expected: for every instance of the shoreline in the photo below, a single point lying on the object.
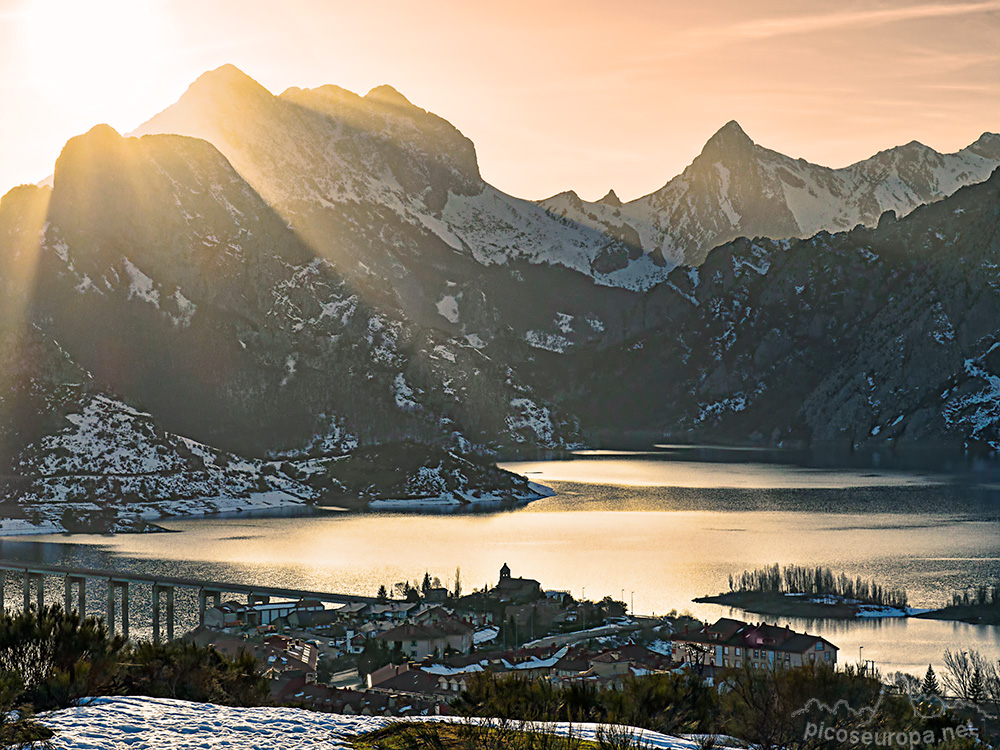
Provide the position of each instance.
(148, 522)
(916, 460)
(785, 605)
(972, 614)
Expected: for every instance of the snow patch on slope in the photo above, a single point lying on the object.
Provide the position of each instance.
(447, 307)
(140, 285)
(111, 463)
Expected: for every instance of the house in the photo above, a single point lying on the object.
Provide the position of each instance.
(236, 614)
(429, 614)
(279, 656)
(350, 611)
(230, 614)
(296, 691)
(733, 643)
(436, 594)
(513, 589)
(355, 642)
(390, 610)
(562, 598)
(282, 655)
(265, 614)
(420, 641)
(402, 678)
(312, 618)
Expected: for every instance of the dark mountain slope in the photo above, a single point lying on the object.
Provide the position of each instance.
(165, 276)
(392, 196)
(880, 339)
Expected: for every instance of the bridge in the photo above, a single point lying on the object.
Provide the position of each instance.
(163, 588)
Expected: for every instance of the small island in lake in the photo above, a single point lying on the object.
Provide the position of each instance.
(977, 606)
(801, 591)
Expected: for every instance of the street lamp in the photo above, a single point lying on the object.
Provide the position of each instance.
(861, 661)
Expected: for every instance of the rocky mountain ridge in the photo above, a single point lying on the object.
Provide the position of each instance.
(296, 278)
(874, 341)
(151, 274)
(736, 188)
(393, 196)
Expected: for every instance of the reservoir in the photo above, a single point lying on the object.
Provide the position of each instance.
(641, 527)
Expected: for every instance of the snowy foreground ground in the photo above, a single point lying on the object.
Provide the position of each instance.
(158, 724)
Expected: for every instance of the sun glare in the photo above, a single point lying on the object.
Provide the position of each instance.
(82, 50)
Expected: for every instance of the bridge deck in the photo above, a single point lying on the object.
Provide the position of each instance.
(234, 588)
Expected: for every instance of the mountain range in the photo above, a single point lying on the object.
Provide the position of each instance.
(285, 279)
(878, 342)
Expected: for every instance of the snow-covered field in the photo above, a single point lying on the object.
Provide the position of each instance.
(161, 724)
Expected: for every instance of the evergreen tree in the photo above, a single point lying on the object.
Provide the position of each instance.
(458, 582)
(426, 585)
(977, 687)
(930, 684)
(382, 594)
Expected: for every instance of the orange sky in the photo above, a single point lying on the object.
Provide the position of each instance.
(579, 94)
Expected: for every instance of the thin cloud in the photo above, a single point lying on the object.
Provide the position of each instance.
(769, 28)
(704, 39)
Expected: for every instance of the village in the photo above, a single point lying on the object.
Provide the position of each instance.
(414, 653)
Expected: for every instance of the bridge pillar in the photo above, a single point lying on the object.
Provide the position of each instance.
(170, 613)
(111, 607)
(39, 593)
(258, 599)
(124, 590)
(159, 588)
(203, 596)
(81, 584)
(122, 587)
(156, 613)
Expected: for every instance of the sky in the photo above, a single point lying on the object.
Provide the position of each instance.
(578, 94)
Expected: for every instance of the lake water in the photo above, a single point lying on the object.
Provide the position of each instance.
(655, 532)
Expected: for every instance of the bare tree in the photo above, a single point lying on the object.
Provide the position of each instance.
(961, 670)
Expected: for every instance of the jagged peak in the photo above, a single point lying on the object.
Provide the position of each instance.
(731, 132)
(611, 199)
(226, 89)
(386, 94)
(727, 140)
(227, 77)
